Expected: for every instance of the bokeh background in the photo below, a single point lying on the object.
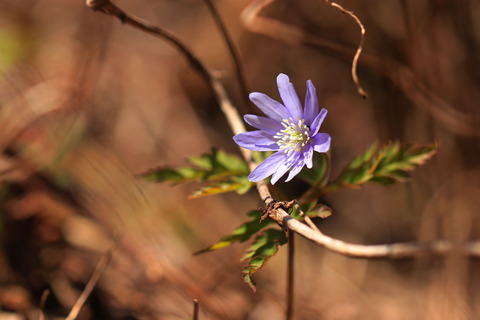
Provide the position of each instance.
(86, 104)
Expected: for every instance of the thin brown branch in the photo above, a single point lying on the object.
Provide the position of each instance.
(231, 113)
(196, 309)
(392, 251)
(231, 48)
(278, 214)
(290, 275)
(92, 282)
(43, 300)
(306, 218)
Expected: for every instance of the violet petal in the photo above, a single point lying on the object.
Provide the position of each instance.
(267, 167)
(271, 108)
(286, 165)
(256, 140)
(311, 103)
(308, 155)
(289, 96)
(321, 142)
(317, 123)
(295, 169)
(266, 124)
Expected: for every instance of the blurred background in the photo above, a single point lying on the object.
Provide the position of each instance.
(87, 103)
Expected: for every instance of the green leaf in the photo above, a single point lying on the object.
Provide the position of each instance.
(239, 184)
(312, 210)
(242, 233)
(221, 172)
(262, 249)
(174, 175)
(385, 164)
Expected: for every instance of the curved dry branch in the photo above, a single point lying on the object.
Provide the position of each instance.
(109, 8)
(284, 32)
(395, 251)
(360, 45)
(400, 75)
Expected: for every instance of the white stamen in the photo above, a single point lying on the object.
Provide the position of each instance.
(294, 137)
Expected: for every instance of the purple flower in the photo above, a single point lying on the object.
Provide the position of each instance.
(289, 129)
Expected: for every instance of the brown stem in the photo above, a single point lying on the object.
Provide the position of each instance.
(92, 282)
(395, 251)
(290, 274)
(195, 309)
(231, 48)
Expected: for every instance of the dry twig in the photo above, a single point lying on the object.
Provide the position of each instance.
(231, 48)
(402, 76)
(278, 214)
(196, 309)
(102, 264)
(360, 45)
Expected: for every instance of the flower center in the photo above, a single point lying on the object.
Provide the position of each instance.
(294, 137)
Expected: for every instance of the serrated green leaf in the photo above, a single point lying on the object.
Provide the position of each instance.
(319, 211)
(364, 157)
(215, 188)
(387, 164)
(202, 162)
(222, 172)
(262, 249)
(231, 162)
(241, 234)
(312, 210)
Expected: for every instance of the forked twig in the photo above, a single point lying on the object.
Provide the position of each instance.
(278, 214)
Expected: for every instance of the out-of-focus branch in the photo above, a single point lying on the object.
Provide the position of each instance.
(277, 213)
(402, 76)
(102, 264)
(231, 48)
(234, 119)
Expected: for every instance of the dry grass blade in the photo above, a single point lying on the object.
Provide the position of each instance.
(102, 264)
